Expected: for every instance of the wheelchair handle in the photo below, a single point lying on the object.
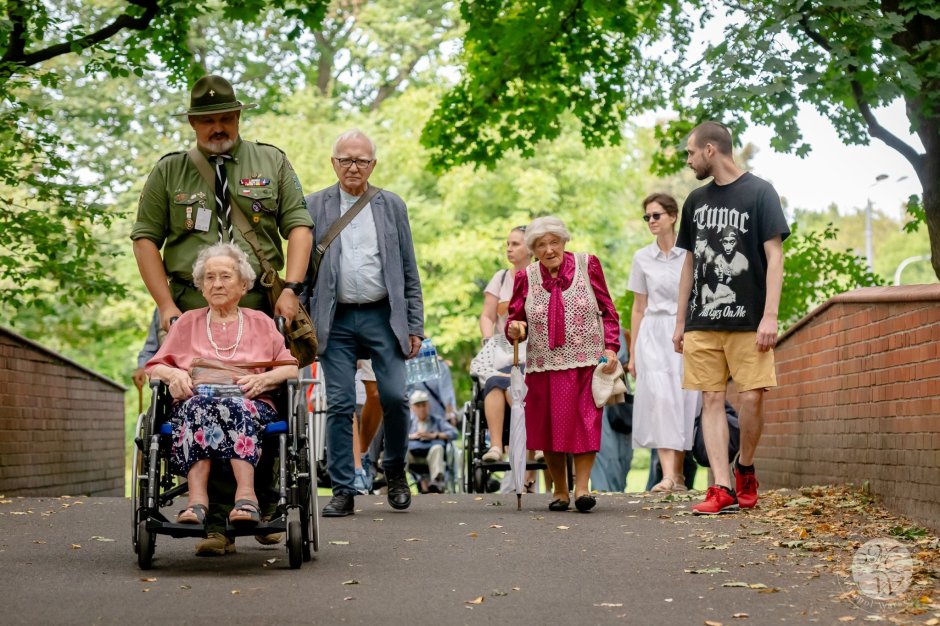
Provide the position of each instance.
(281, 324)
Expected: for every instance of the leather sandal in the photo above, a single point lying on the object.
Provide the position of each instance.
(198, 515)
(244, 505)
(664, 486)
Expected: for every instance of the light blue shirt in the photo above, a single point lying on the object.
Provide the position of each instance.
(360, 277)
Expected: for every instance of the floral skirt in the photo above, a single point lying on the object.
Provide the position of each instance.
(217, 428)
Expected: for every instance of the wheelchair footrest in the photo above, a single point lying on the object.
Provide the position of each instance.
(160, 525)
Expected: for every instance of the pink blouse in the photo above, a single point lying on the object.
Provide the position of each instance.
(187, 340)
(520, 291)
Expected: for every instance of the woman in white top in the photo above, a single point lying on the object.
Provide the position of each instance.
(496, 298)
(663, 414)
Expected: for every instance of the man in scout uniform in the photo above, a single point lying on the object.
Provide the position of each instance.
(180, 212)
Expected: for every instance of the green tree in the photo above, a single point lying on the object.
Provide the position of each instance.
(527, 62)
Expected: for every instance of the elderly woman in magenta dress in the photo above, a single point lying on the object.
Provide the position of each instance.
(562, 303)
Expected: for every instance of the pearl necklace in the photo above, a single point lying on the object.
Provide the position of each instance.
(232, 348)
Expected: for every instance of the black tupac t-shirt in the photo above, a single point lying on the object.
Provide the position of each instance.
(724, 227)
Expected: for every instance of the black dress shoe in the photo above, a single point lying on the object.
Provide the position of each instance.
(585, 503)
(558, 505)
(399, 494)
(340, 505)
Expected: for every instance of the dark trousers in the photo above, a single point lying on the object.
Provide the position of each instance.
(363, 332)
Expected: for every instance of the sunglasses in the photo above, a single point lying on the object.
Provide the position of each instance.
(652, 216)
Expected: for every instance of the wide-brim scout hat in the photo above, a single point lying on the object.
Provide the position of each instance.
(212, 95)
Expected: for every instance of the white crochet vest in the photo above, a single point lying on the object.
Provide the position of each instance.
(583, 342)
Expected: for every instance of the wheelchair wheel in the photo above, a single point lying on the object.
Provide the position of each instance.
(138, 487)
(146, 542)
(479, 480)
(295, 543)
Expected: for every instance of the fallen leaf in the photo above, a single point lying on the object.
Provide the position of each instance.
(478, 498)
(236, 592)
(348, 598)
(495, 526)
(477, 600)
(39, 541)
(932, 622)
(144, 590)
(847, 618)
(340, 543)
(757, 586)
(351, 582)
(97, 538)
(740, 615)
(709, 622)
(76, 546)
(472, 535)
(185, 587)
(562, 527)
(615, 604)
(378, 519)
(148, 580)
(414, 539)
(516, 589)
(497, 593)
(272, 561)
(735, 584)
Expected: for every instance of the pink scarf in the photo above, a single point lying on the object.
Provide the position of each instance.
(556, 303)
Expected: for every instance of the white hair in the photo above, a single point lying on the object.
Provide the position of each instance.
(230, 250)
(354, 133)
(542, 226)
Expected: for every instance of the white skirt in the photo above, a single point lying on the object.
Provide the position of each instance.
(663, 413)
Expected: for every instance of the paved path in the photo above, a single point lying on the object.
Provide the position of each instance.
(70, 560)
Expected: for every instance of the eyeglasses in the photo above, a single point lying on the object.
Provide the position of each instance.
(360, 163)
(652, 216)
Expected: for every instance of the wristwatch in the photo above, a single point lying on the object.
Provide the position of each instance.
(297, 288)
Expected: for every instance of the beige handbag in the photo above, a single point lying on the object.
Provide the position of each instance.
(608, 388)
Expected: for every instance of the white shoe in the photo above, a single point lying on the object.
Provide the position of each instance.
(493, 455)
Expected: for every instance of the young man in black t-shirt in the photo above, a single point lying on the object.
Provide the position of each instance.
(729, 295)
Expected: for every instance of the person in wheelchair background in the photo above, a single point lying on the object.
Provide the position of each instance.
(221, 421)
(427, 441)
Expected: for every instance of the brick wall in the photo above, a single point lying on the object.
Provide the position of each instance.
(61, 425)
(859, 399)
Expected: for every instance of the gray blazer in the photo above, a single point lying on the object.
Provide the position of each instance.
(399, 266)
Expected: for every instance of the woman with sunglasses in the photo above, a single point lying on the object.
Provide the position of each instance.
(663, 413)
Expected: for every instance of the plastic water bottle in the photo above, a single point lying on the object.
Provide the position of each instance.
(424, 366)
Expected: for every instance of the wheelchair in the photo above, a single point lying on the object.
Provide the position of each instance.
(477, 474)
(293, 439)
(452, 464)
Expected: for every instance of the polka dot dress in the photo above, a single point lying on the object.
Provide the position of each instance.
(560, 415)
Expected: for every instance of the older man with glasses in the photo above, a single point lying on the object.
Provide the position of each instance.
(366, 303)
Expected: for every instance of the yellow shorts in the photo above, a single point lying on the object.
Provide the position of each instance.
(710, 356)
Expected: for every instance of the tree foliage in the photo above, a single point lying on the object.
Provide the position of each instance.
(526, 62)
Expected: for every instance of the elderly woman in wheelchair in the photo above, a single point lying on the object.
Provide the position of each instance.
(221, 364)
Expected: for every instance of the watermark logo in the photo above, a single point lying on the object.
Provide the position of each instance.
(882, 570)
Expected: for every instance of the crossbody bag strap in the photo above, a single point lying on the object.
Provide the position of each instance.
(344, 219)
(248, 233)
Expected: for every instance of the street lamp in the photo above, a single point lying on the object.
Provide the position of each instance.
(905, 263)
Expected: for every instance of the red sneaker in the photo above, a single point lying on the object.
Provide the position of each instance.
(745, 484)
(718, 501)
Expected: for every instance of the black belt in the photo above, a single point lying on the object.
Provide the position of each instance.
(361, 306)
